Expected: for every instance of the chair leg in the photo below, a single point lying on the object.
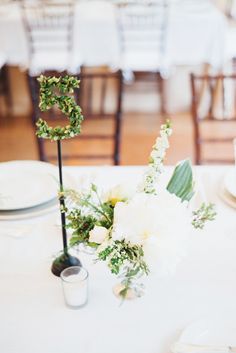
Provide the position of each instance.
(33, 92)
(41, 150)
(234, 65)
(116, 159)
(7, 89)
(161, 87)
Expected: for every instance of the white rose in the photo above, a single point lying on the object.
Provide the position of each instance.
(98, 234)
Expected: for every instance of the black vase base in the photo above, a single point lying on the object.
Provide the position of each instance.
(62, 262)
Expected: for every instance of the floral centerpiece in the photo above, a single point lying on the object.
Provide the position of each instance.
(137, 231)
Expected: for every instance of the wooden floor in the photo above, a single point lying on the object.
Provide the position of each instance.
(139, 131)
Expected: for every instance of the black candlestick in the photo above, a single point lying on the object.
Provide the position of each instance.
(62, 199)
(65, 260)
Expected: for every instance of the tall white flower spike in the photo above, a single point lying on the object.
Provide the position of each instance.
(155, 166)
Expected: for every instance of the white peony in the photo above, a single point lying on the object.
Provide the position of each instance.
(98, 234)
(160, 223)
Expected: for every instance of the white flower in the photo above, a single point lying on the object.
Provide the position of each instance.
(98, 234)
(162, 143)
(155, 154)
(160, 223)
(155, 168)
(120, 192)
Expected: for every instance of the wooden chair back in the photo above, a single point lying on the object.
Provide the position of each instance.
(49, 26)
(143, 26)
(214, 117)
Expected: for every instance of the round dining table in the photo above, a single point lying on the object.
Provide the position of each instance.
(35, 319)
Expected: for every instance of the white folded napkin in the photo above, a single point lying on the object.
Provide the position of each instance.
(180, 347)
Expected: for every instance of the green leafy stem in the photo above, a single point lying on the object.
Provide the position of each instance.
(205, 213)
(82, 222)
(127, 260)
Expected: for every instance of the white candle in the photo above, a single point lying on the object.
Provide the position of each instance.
(75, 286)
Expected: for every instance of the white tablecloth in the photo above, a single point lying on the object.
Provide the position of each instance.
(33, 315)
(195, 35)
(95, 40)
(233, 9)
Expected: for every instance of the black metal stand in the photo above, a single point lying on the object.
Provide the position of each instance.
(65, 260)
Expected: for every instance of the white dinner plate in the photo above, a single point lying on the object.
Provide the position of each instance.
(230, 181)
(37, 211)
(25, 184)
(214, 331)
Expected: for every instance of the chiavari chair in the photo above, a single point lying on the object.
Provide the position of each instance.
(214, 117)
(49, 29)
(143, 30)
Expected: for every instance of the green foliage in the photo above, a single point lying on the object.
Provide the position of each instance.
(103, 211)
(127, 261)
(81, 225)
(118, 253)
(108, 210)
(87, 211)
(49, 87)
(205, 213)
(181, 183)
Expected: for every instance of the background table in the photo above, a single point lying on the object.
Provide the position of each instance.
(195, 35)
(33, 315)
(194, 38)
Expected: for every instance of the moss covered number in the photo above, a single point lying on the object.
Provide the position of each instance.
(49, 87)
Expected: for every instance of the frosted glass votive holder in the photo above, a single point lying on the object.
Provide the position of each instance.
(75, 286)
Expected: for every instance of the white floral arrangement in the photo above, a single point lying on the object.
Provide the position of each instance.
(138, 232)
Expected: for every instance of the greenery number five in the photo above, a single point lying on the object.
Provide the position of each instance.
(49, 87)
